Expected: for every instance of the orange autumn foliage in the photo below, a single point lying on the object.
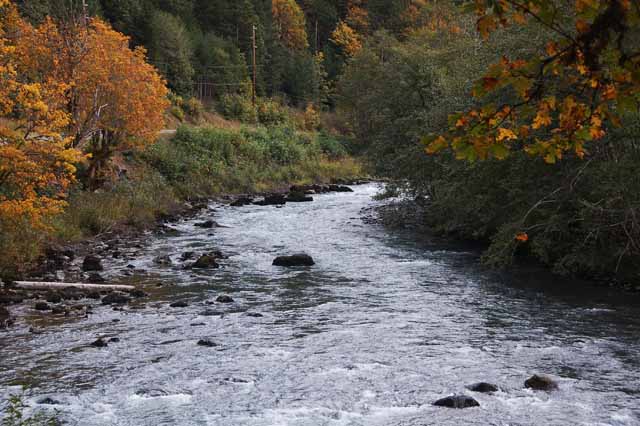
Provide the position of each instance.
(117, 100)
(346, 39)
(289, 21)
(36, 159)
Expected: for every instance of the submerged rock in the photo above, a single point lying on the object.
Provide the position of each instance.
(115, 299)
(300, 259)
(187, 255)
(457, 401)
(224, 299)
(100, 343)
(207, 343)
(92, 263)
(180, 304)
(542, 383)
(5, 318)
(206, 262)
(483, 387)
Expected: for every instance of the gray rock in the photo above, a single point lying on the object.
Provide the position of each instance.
(542, 383)
(207, 343)
(457, 401)
(300, 259)
(483, 387)
(92, 263)
(224, 299)
(115, 299)
(206, 262)
(42, 306)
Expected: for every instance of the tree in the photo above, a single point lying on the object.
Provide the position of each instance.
(36, 159)
(290, 25)
(346, 39)
(114, 101)
(557, 102)
(170, 51)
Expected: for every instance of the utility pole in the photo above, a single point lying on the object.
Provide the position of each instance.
(85, 14)
(253, 42)
(316, 36)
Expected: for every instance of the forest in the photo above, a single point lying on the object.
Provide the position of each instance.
(537, 158)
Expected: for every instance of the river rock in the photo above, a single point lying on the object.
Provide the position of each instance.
(48, 401)
(137, 293)
(180, 304)
(53, 297)
(10, 297)
(300, 259)
(92, 263)
(542, 383)
(207, 224)
(95, 278)
(206, 262)
(5, 318)
(272, 200)
(162, 260)
(340, 188)
(298, 197)
(115, 299)
(457, 401)
(95, 295)
(187, 255)
(207, 343)
(242, 201)
(42, 306)
(100, 343)
(224, 299)
(58, 310)
(483, 387)
(254, 314)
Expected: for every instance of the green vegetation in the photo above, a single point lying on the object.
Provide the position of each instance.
(14, 415)
(198, 163)
(578, 216)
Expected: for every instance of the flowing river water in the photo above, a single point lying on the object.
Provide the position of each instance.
(384, 324)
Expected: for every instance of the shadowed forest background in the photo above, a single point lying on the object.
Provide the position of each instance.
(395, 84)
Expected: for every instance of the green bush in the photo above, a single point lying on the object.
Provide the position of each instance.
(238, 107)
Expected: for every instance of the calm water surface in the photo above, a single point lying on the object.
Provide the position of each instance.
(382, 326)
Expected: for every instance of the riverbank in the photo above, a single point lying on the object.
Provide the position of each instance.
(416, 215)
(174, 177)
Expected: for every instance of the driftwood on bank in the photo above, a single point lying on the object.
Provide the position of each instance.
(39, 285)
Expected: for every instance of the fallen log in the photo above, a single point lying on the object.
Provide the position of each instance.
(39, 285)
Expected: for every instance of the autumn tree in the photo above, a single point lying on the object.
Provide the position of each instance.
(36, 159)
(289, 22)
(557, 102)
(115, 101)
(346, 39)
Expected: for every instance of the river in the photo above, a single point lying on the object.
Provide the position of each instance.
(384, 324)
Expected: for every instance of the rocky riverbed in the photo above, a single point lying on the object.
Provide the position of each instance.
(354, 325)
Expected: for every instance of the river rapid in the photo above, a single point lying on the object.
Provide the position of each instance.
(384, 324)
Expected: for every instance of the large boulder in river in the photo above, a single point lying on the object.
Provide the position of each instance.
(457, 401)
(92, 263)
(300, 259)
(542, 383)
(5, 318)
(483, 387)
